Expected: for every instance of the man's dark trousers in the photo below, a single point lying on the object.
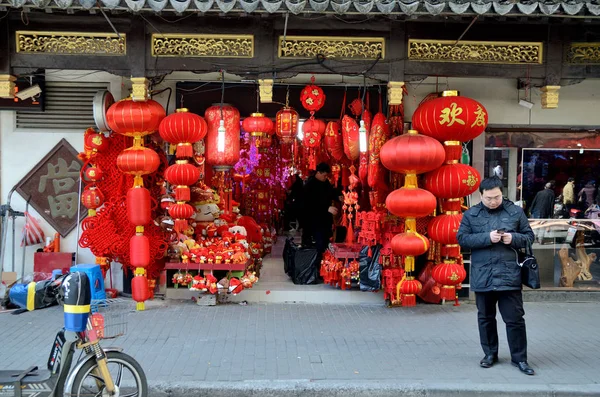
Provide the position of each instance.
(510, 304)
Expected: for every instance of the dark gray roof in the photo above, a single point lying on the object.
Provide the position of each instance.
(406, 7)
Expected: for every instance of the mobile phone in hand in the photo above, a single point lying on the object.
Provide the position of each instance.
(501, 231)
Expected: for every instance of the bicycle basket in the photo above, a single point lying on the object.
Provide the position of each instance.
(109, 317)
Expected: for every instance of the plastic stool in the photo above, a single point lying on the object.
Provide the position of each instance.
(94, 273)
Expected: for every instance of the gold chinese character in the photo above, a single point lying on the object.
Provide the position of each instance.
(61, 171)
(63, 205)
(471, 180)
(450, 115)
(480, 120)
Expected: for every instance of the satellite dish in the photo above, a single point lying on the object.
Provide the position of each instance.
(102, 101)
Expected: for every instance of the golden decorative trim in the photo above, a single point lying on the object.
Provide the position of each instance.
(203, 45)
(491, 52)
(550, 96)
(395, 92)
(265, 88)
(70, 43)
(586, 53)
(7, 86)
(306, 47)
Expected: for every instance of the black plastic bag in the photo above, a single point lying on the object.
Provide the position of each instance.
(289, 253)
(307, 262)
(370, 268)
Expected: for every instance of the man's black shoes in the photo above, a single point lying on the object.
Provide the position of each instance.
(488, 361)
(524, 367)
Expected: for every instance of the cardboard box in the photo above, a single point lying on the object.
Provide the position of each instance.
(9, 278)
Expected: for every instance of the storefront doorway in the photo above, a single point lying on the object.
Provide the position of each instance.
(502, 162)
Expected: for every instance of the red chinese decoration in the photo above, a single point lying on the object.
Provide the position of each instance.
(92, 198)
(312, 97)
(183, 129)
(313, 132)
(137, 119)
(350, 137)
(260, 128)
(419, 154)
(451, 118)
(333, 140)
(380, 133)
(222, 148)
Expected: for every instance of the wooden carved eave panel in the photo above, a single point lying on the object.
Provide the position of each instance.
(491, 52)
(584, 53)
(203, 45)
(70, 43)
(305, 47)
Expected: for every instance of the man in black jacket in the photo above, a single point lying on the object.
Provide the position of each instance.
(493, 230)
(542, 206)
(318, 209)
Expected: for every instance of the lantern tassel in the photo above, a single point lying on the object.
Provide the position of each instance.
(182, 193)
(184, 150)
(448, 292)
(181, 225)
(409, 300)
(350, 234)
(409, 264)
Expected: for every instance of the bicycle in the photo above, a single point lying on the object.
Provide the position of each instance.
(86, 323)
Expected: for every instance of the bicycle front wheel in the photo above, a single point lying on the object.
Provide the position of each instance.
(127, 374)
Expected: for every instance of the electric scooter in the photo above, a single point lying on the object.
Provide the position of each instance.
(100, 372)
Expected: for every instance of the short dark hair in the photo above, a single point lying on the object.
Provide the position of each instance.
(571, 179)
(323, 168)
(490, 183)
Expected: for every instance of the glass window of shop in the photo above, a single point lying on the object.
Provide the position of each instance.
(567, 243)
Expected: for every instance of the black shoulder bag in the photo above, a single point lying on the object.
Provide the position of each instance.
(530, 271)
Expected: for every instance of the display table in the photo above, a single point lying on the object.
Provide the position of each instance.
(166, 283)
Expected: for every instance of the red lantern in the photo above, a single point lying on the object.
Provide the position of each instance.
(312, 97)
(409, 288)
(139, 206)
(333, 140)
(313, 131)
(380, 132)
(409, 244)
(449, 274)
(412, 153)
(92, 198)
(181, 175)
(451, 118)
(96, 142)
(452, 180)
(443, 228)
(286, 125)
(181, 212)
(257, 125)
(224, 150)
(93, 174)
(183, 129)
(350, 137)
(131, 118)
(139, 251)
(138, 161)
(411, 202)
(139, 290)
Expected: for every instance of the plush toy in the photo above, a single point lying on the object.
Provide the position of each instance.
(235, 286)
(241, 230)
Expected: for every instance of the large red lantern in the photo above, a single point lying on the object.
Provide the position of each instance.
(131, 118)
(257, 125)
(333, 140)
(452, 180)
(223, 139)
(409, 288)
(138, 161)
(181, 175)
(412, 153)
(450, 275)
(411, 202)
(313, 130)
(92, 198)
(183, 129)
(181, 212)
(409, 244)
(451, 118)
(286, 125)
(443, 228)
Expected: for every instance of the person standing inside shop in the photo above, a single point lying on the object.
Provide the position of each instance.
(493, 230)
(318, 209)
(569, 195)
(293, 203)
(542, 206)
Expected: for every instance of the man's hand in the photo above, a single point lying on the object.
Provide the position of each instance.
(507, 238)
(332, 210)
(495, 236)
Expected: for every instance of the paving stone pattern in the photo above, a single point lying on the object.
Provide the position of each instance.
(180, 341)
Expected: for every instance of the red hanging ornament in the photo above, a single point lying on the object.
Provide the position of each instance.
(93, 174)
(181, 212)
(130, 118)
(139, 206)
(378, 136)
(312, 97)
(181, 175)
(334, 141)
(183, 129)
(138, 161)
(350, 137)
(92, 198)
(222, 148)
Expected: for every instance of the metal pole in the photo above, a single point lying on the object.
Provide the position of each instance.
(78, 219)
(24, 245)
(13, 242)
(5, 215)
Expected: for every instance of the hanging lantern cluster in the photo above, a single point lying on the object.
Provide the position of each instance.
(410, 154)
(453, 120)
(183, 129)
(137, 119)
(312, 98)
(91, 197)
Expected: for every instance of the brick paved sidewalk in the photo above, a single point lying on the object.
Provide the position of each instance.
(180, 343)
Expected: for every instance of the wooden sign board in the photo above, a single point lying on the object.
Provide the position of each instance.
(52, 188)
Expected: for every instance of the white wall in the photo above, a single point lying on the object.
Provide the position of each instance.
(21, 150)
